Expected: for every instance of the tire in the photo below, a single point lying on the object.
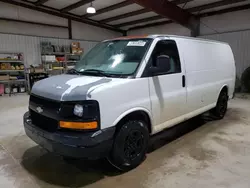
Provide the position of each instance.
(245, 79)
(69, 160)
(130, 145)
(221, 107)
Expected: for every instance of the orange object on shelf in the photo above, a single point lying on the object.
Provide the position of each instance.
(5, 66)
(60, 58)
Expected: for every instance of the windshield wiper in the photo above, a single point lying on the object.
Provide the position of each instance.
(96, 72)
(73, 71)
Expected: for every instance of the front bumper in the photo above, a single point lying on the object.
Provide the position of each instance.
(76, 145)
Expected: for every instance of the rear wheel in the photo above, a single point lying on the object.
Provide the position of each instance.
(245, 79)
(69, 160)
(130, 145)
(221, 107)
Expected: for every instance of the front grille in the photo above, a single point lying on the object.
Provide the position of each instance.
(43, 122)
(47, 103)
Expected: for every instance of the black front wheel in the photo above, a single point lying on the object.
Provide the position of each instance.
(130, 145)
(221, 107)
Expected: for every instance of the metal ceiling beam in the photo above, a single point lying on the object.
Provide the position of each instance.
(178, 2)
(70, 28)
(212, 13)
(138, 12)
(110, 8)
(169, 10)
(55, 12)
(139, 21)
(151, 25)
(33, 23)
(224, 11)
(214, 5)
(122, 16)
(40, 2)
(196, 9)
(75, 5)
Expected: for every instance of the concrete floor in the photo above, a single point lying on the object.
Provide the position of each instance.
(198, 153)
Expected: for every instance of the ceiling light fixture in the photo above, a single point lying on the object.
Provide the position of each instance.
(91, 9)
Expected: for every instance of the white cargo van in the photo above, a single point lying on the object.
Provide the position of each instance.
(125, 90)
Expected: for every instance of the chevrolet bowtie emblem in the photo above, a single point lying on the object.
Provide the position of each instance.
(39, 110)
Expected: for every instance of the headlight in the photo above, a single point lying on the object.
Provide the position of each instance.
(78, 110)
(81, 110)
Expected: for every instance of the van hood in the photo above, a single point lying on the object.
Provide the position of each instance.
(68, 87)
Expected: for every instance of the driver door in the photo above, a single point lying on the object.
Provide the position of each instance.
(167, 87)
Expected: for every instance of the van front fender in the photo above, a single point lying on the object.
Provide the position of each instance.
(126, 113)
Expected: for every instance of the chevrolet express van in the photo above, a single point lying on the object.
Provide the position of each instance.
(125, 90)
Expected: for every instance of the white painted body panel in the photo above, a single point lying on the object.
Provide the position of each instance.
(121, 97)
(168, 98)
(207, 65)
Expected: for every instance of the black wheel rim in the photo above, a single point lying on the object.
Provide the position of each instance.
(222, 106)
(133, 144)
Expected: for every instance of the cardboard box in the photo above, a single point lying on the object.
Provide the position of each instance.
(80, 50)
(36, 70)
(48, 58)
(4, 77)
(75, 45)
(13, 78)
(74, 50)
(77, 50)
(39, 70)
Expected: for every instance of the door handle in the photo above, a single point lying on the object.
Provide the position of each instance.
(183, 81)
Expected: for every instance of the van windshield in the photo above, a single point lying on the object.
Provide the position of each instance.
(117, 58)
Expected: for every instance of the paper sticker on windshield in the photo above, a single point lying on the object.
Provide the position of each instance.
(136, 43)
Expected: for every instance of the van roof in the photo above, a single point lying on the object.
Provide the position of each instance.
(161, 35)
(186, 37)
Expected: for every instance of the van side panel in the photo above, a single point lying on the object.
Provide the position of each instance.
(233, 69)
(209, 67)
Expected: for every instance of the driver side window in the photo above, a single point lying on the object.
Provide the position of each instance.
(166, 48)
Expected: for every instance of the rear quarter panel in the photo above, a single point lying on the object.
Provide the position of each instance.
(209, 66)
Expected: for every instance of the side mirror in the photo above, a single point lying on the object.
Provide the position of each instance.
(162, 64)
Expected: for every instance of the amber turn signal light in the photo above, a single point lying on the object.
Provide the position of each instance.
(78, 125)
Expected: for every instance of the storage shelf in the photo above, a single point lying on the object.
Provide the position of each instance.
(56, 63)
(56, 69)
(59, 53)
(10, 61)
(54, 53)
(73, 54)
(50, 61)
(11, 70)
(7, 57)
(60, 61)
(7, 81)
(72, 61)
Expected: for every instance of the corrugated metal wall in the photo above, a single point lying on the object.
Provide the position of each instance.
(30, 46)
(168, 29)
(240, 44)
